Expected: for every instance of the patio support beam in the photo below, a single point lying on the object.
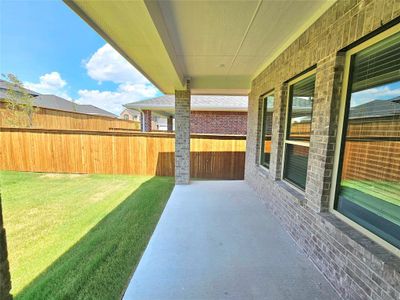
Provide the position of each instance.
(182, 135)
(5, 279)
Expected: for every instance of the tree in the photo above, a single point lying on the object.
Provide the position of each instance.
(19, 103)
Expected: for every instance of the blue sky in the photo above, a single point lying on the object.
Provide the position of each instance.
(383, 92)
(52, 50)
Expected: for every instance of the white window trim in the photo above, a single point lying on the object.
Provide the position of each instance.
(338, 148)
(263, 99)
(293, 142)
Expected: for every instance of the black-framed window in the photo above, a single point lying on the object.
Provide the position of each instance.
(266, 129)
(368, 181)
(298, 129)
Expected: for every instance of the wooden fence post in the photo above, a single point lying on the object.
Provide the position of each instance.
(5, 279)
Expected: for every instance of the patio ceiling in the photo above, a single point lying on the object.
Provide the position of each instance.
(220, 45)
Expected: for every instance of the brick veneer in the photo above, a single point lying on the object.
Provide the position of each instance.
(182, 136)
(5, 281)
(146, 122)
(355, 265)
(218, 122)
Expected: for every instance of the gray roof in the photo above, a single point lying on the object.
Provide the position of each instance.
(55, 102)
(4, 86)
(376, 108)
(198, 102)
(94, 110)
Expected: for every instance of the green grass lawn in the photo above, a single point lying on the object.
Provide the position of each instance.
(78, 236)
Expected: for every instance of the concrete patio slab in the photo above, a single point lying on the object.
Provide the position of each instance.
(216, 240)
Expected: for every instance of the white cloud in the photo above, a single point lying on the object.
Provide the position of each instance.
(50, 83)
(382, 93)
(113, 100)
(106, 64)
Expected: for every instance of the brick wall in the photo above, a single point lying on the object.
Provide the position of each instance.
(146, 121)
(355, 265)
(218, 122)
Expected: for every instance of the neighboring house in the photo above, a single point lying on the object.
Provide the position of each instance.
(53, 112)
(129, 114)
(57, 103)
(209, 114)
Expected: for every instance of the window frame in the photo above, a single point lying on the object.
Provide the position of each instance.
(341, 136)
(287, 126)
(264, 98)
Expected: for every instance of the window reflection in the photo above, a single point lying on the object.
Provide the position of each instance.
(300, 110)
(268, 109)
(369, 189)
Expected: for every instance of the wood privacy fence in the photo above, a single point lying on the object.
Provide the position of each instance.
(89, 152)
(59, 119)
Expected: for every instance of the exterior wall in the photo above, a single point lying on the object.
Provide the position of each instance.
(131, 114)
(218, 122)
(159, 123)
(355, 265)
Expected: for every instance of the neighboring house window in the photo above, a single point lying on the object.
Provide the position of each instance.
(298, 129)
(126, 117)
(368, 171)
(266, 129)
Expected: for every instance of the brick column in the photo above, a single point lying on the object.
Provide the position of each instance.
(5, 280)
(278, 129)
(323, 131)
(146, 120)
(170, 124)
(182, 136)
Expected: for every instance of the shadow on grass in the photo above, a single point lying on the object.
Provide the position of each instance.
(100, 264)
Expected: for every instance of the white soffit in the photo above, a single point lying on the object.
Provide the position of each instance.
(225, 44)
(220, 45)
(129, 28)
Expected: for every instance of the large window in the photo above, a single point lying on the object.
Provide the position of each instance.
(266, 130)
(368, 180)
(298, 129)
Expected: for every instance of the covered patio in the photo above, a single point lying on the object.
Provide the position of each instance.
(216, 240)
(311, 146)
